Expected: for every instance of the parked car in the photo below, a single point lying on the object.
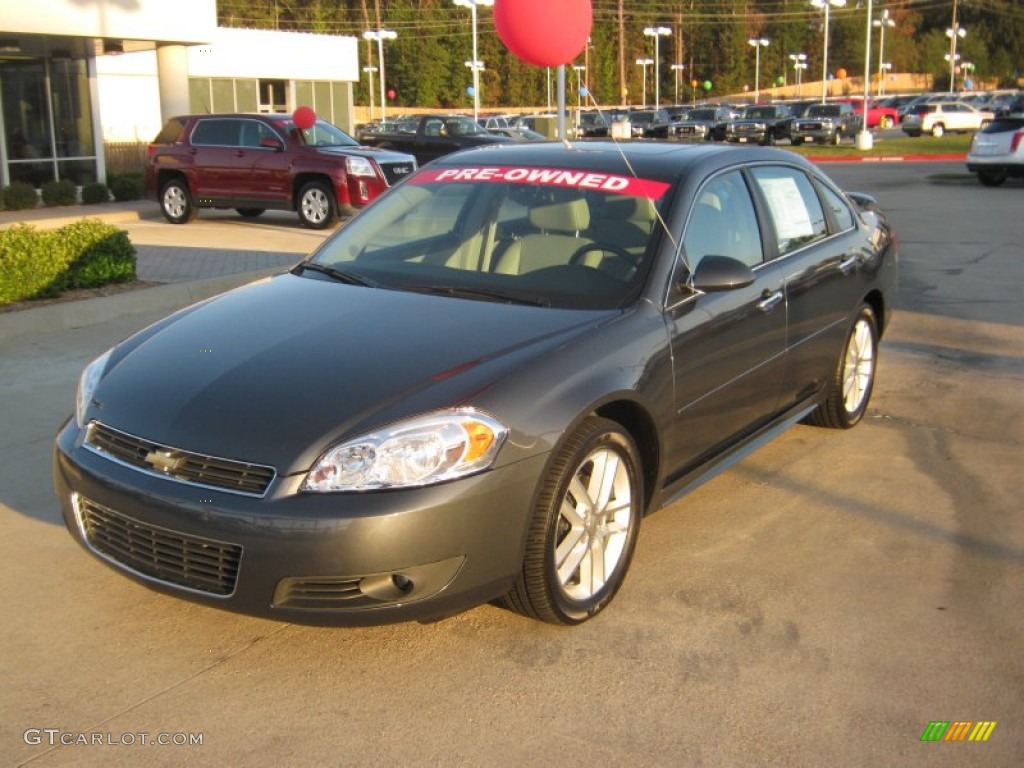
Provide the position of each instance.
(826, 124)
(760, 124)
(433, 136)
(649, 123)
(997, 151)
(703, 124)
(478, 387)
(519, 134)
(257, 162)
(941, 117)
(880, 115)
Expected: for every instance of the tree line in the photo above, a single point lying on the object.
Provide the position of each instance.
(425, 64)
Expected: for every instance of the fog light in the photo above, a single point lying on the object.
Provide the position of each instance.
(402, 583)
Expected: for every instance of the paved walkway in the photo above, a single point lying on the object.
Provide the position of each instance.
(215, 253)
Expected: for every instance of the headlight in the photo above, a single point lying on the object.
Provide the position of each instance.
(420, 451)
(87, 385)
(359, 166)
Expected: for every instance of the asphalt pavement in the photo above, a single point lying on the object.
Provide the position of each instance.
(819, 604)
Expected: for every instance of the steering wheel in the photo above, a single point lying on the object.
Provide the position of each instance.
(615, 250)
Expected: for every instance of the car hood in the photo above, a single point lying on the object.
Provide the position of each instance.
(274, 372)
(380, 155)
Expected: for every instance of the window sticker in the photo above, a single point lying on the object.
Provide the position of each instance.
(555, 177)
(792, 222)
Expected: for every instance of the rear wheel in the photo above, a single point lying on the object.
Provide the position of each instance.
(176, 202)
(991, 178)
(584, 527)
(938, 130)
(885, 121)
(850, 389)
(316, 207)
(250, 213)
(796, 142)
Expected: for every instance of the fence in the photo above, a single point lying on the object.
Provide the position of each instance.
(125, 157)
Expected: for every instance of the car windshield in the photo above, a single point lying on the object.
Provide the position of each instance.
(759, 112)
(701, 114)
(463, 126)
(823, 110)
(322, 134)
(548, 237)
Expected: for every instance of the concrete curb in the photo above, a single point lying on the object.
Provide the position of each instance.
(101, 309)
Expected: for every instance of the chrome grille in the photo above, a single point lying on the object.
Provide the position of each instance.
(396, 172)
(196, 563)
(185, 466)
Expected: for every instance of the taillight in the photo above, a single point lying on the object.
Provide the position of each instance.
(1016, 140)
(150, 150)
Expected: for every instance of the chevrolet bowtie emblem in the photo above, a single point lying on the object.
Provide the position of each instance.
(165, 461)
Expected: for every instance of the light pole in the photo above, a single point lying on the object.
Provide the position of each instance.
(677, 68)
(380, 35)
(882, 22)
(864, 138)
(645, 63)
(758, 43)
(656, 33)
(825, 5)
(580, 68)
(369, 70)
(799, 65)
(953, 33)
(476, 65)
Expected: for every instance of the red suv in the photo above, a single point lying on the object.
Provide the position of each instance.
(255, 162)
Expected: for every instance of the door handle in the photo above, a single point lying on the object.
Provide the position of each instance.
(767, 304)
(847, 264)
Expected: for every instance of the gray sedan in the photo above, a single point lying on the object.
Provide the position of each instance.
(478, 387)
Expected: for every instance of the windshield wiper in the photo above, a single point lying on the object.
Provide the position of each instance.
(341, 275)
(490, 294)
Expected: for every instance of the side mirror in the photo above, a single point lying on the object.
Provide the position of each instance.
(271, 142)
(721, 273)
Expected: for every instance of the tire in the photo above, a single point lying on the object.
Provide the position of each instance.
(584, 527)
(176, 202)
(837, 139)
(316, 206)
(250, 213)
(769, 140)
(991, 178)
(938, 130)
(885, 122)
(849, 391)
(796, 142)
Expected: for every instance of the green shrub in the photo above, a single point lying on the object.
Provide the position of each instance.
(63, 192)
(20, 196)
(127, 186)
(84, 254)
(96, 192)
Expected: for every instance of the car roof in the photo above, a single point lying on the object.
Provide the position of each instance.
(648, 159)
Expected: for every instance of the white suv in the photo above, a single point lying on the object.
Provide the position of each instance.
(941, 117)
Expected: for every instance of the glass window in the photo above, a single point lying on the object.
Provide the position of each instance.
(216, 133)
(72, 111)
(793, 204)
(840, 210)
(723, 223)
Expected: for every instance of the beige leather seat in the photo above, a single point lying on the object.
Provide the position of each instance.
(560, 224)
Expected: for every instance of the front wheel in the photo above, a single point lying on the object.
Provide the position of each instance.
(938, 130)
(850, 388)
(838, 138)
(176, 202)
(885, 122)
(317, 209)
(796, 142)
(584, 527)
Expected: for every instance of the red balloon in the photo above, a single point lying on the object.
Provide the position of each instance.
(545, 33)
(304, 117)
(391, 93)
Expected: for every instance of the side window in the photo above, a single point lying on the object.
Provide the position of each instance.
(795, 209)
(217, 133)
(840, 210)
(723, 223)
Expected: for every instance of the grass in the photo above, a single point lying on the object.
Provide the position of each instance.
(886, 146)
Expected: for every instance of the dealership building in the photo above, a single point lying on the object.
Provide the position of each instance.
(77, 73)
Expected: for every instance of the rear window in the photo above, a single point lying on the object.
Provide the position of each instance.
(171, 132)
(1004, 125)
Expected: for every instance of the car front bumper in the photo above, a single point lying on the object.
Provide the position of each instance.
(331, 559)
